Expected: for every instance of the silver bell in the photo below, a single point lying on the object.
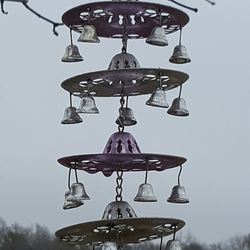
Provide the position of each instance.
(71, 116)
(158, 99)
(173, 245)
(88, 35)
(145, 193)
(71, 201)
(109, 245)
(78, 190)
(157, 37)
(178, 107)
(126, 117)
(178, 195)
(88, 106)
(118, 210)
(124, 60)
(180, 55)
(72, 54)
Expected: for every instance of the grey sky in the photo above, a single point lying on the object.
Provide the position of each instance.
(214, 138)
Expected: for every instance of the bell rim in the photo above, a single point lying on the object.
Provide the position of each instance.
(155, 105)
(79, 203)
(93, 112)
(88, 40)
(72, 60)
(137, 199)
(178, 113)
(156, 43)
(178, 201)
(182, 60)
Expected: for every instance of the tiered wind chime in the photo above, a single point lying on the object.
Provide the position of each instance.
(124, 78)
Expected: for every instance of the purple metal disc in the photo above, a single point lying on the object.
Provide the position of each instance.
(109, 163)
(141, 17)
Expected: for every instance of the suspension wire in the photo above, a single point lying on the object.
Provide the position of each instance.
(69, 178)
(76, 173)
(180, 91)
(211, 2)
(174, 232)
(119, 240)
(71, 38)
(125, 35)
(179, 176)
(70, 99)
(161, 243)
(146, 175)
(180, 35)
(122, 102)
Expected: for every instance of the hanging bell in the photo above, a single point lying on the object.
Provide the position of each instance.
(72, 54)
(158, 99)
(145, 193)
(71, 201)
(157, 37)
(78, 191)
(180, 55)
(126, 117)
(71, 116)
(173, 245)
(89, 35)
(109, 245)
(178, 195)
(88, 106)
(178, 107)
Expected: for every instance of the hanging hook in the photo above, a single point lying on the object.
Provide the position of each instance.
(180, 35)
(71, 38)
(174, 232)
(2, 7)
(161, 243)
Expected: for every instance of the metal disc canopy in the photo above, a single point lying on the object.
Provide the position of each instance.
(132, 230)
(134, 82)
(109, 16)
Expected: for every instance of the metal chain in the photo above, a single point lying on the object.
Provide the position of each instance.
(118, 189)
(122, 102)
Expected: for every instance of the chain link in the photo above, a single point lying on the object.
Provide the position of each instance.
(118, 189)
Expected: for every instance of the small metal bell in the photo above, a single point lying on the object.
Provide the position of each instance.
(78, 191)
(158, 99)
(72, 54)
(118, 209)
(180, 55)
(178, 195)
(109, 245)
(157, 37)
(178, 107)
(71, 116)
(145, 193)
(88, 106)
(71, 201)
(89, 35)
(173, 245)
(126, 117)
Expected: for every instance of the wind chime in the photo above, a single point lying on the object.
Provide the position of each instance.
(124, 78)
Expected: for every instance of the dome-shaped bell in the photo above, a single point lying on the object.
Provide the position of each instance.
(121, 143)
(88, 106)
(71, 116)
(124, 61)
(180, 55)
(158, 99)
(109, 245)
(178, 195)
(178, 107)
(173, 245)
(118, 210)
(72, 54)
(89, 35)
(145, 193)
(126, 117)
(78, 190)
(71, 201)
(157, 37)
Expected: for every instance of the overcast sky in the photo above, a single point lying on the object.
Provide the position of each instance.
(214, 138)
